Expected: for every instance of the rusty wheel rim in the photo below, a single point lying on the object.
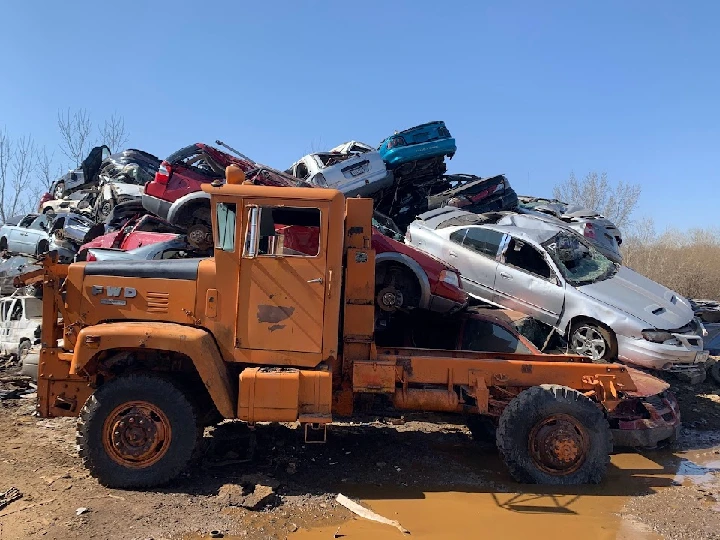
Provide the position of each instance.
(558, 444)
(136, 434)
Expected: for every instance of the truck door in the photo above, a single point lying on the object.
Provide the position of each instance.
(283, 276)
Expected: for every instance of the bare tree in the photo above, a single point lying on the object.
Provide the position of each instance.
(113, 133)
(75, 131)
(616, 203)
(17, 165)
(44, 169)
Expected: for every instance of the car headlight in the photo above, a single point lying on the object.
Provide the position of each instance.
(449, 277)
(657, 336)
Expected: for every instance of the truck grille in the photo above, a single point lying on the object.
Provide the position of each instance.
(158, 302)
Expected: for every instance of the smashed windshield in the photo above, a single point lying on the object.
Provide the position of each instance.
(578, 262)
(386, 226)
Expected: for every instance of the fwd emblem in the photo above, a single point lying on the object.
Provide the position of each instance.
(127, 292)
(113, 294)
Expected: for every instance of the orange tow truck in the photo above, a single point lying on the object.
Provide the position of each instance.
(147, 353)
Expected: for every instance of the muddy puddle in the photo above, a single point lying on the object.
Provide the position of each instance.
(488, 504)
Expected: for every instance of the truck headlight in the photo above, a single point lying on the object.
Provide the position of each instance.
(449, 277)
(657, 336)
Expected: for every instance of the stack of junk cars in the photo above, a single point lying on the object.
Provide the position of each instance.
(443, 242)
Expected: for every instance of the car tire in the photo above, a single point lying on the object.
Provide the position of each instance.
(584, 339)
(552, 434)
(169, 435)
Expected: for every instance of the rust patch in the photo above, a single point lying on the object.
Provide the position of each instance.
(276, 327)
(406, 364)
(273, 314)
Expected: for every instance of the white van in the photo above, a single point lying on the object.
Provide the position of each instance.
(20, 318)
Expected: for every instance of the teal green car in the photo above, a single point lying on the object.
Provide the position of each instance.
(428, 143)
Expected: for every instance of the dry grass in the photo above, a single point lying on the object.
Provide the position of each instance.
(686, 262)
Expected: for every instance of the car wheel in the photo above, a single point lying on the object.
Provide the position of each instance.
(594, 341)
(396, 288)
(552, 434)
(59, 190)
(137, 431)
(49, 211)
(42, 247)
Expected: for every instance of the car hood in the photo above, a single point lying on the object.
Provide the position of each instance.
(641, 297)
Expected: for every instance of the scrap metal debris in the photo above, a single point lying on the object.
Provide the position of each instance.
(12, 494)
(363, 512)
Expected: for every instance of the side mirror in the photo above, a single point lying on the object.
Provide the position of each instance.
(251, 239)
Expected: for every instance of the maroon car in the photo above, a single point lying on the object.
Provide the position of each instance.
(175, 194)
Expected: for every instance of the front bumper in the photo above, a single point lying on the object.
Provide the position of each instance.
(662, 356)
(156, 206)
(662, 423)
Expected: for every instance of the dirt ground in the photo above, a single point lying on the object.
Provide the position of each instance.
(432, 478)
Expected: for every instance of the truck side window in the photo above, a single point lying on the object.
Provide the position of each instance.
(225, 238)
(285, 231)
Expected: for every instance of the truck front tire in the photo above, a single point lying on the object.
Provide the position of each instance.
(551, 434)
(137, 431)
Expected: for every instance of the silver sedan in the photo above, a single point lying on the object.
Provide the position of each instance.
(553, 274)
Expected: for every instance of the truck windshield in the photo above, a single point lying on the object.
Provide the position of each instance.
(578, 262)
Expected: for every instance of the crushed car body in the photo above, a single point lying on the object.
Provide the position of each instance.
(553, 274)
(355, 174)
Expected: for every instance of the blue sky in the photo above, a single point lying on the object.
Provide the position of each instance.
(531, 89)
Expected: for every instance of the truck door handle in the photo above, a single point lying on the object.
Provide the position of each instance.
(452, 254)
(316, 280)
(505, 276)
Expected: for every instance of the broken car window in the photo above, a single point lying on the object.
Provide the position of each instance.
(225, 236)
(579, 262)
(525, 257)
(289, 232)
(484, 241)
(481, 335)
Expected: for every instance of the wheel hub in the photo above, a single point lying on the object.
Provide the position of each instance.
(558, 444)
(587, 341)
(137, 434)
(200, 236)
(390, 299)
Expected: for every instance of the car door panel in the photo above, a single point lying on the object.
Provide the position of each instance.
(475, 257)
(528, 286)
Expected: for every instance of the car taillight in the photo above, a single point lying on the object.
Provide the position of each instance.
(396, 141)
(450, 277)
(90, 256)
(162, 176)
(589, 230)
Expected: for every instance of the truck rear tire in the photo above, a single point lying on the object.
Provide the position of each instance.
(552, 434)
(137, 431)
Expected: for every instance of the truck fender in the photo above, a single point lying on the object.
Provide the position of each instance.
(195, 343)
(414, 267)
(177, 206)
